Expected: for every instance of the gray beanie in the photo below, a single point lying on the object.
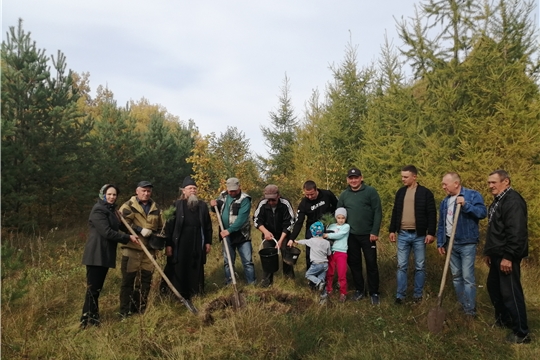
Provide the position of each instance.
(341, 211)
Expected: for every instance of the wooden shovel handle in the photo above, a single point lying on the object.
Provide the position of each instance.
(448, 254)
(156, 265)
(229, 259)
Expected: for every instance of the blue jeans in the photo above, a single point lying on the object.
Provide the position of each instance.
(244, 250)
(462, 267)
(317, 273)
(406, 242)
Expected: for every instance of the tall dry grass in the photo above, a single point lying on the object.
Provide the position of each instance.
(43, 286)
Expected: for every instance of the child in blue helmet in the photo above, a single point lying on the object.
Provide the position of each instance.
(319, 252)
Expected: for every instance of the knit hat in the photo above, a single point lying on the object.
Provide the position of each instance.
(188, 181)
(341, 211)
(317, 229)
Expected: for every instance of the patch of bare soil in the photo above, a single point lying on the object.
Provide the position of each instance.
(274, 300)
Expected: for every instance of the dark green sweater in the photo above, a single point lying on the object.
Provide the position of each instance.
(364, 210)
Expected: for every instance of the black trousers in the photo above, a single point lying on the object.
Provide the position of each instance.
(507, 297)
(359, 244)
(288, 270)
(95, 277)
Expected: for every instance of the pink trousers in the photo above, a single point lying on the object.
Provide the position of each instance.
(338, 260)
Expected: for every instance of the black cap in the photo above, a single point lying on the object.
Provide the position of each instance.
(188, 181)
(354, 172)
(144, 184)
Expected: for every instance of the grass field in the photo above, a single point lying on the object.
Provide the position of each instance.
(43, 285)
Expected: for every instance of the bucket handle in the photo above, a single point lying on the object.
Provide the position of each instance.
(261, 245)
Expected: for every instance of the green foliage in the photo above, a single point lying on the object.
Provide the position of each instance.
(280, 138)
(327, 220)
(164, 151)
(473, 107)
(43, 133)
(15, 281)
(169, 213)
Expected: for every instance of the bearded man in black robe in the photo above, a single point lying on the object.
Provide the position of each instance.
(189, 239)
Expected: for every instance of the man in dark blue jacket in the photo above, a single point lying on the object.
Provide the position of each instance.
(413, 225)
(506, 245)
(466, 237)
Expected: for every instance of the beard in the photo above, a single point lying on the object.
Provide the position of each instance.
(192, 202)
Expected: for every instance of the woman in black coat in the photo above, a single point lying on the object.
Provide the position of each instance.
(100, 250)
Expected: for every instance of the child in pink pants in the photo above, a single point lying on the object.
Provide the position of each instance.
(338, 259)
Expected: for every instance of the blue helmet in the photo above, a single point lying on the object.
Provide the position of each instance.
(317, 229)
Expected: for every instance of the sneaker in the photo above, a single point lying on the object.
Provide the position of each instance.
(417, 300)
(518, 339)
(342, 298)
(358, 295)
(398, 301)
(321, 286)
(375, 299)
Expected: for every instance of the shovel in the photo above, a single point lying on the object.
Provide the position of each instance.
(437, 314)
(184, 301)
(231, 265)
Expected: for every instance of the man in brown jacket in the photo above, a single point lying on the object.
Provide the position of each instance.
(144, 216)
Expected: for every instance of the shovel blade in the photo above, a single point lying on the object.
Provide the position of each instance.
(190, 306)
(436, 318)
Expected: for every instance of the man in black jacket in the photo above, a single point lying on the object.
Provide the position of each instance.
(506, 245)
(413, 225)
(313, 206)
(189, 240)
(274, 218)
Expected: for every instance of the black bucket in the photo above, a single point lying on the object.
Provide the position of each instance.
(290, 255)
(269, 259)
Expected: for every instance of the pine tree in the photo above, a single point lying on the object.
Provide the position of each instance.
(43, 134)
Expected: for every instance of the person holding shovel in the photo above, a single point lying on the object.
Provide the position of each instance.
(100, 250)
(466, 237)
(506, 245)
(189, 240)
(274, 218)
(144, 216)
(234, 206)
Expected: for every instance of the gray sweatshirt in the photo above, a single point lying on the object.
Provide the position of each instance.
(320, 249)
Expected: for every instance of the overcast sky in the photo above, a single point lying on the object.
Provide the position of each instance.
(219, 63)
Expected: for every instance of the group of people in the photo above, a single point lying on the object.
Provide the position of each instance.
(344, 244)
(414, 224)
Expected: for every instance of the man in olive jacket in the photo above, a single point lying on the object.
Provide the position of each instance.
(144, 216)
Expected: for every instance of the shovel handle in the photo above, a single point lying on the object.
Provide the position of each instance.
(229, 260)
(156, 265)
(448, 254)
